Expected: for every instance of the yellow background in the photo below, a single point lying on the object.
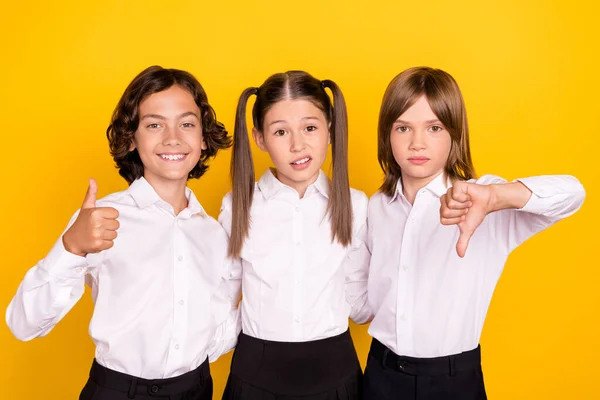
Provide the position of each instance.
(528, 71)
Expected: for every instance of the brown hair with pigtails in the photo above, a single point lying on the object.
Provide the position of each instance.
(290, 85)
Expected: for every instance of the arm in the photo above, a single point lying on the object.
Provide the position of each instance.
(50, 289)
(356, 267)
(518, 209)
(227, 332)
(55, 284)
(230, 293)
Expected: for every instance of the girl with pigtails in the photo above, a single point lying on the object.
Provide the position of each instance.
(301, 238)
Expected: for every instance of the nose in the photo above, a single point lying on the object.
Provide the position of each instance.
(170, 136)
(418, 140)
(298, 144)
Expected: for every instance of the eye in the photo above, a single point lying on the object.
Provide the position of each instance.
(310, 128)
(279, 132)
(187, 125)
(402, 129)
(436, 128)
(153, 126)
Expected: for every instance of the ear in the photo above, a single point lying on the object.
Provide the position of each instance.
(329, 133)
(259, 139)
(132, 146)
(203, 145)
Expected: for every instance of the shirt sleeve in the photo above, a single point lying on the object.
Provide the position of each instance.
(228, 331)
(553, 198)
(357, 266)
(225, 216)
(49, 290)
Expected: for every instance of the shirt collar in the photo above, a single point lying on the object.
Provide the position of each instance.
(144, 195)
(438, 186)
(269, 185)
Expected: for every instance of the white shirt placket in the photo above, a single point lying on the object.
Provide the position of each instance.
(298, 258)
(180, 290)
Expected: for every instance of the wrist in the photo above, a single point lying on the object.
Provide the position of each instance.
(70, 247)
(512, 195)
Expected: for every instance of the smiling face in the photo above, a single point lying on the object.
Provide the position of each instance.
(295, 133)
(420, 144)
(169, 136)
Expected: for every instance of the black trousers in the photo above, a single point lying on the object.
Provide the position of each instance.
(326, 369)
(392, 377)
(106, 384)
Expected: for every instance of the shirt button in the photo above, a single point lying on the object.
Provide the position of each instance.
(154, 389)
(405, 267)
(181, 302)
(297, 209)
(180, 258)
(297, 320)
(298, 243)
(177, 347)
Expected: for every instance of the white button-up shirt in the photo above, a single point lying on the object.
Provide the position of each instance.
(297, 284)
(428, 302)
(164, 294)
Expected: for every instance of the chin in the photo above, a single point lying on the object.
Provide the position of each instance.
(175, 177)
(302, 175)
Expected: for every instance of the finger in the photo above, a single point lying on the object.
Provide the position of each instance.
(459, 205)
(108, 212)
(109, 235)
(111, 224)
(443, 205)
(90, 196)
(444, 200)
(451, 221)
(460, 193)
(107, 244)
(97, 245)
(450, 213)
(463, 243)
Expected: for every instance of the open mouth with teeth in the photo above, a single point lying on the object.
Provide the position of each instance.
(301, 161)
(172, 157)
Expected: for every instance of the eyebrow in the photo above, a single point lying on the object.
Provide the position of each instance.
(158, 116)
(303, 119)
(431, 121)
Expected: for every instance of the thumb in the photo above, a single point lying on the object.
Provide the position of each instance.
(90, 196)
(463, 241)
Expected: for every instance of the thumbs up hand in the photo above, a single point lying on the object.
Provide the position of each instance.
(466, 205)
(95, 227)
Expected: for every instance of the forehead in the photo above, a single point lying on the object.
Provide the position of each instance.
(173, 98)
(420, 111)
(293, 110)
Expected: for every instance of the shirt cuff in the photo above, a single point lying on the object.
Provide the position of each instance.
(543, 188)
(62, 264)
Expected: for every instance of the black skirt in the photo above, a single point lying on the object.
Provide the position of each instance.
(326, 369)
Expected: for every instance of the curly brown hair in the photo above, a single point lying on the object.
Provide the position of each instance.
(125, 120)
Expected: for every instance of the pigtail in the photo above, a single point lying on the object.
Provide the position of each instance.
(242, 177)
(340, 200)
